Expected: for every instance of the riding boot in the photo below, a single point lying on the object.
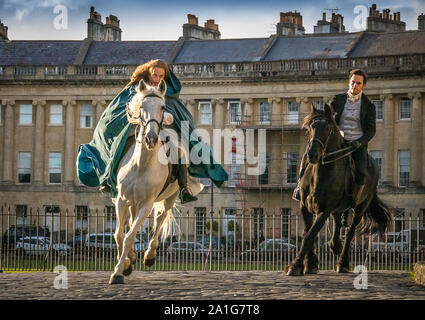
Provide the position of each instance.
(296, 193)
(353, 200)
(184, 193)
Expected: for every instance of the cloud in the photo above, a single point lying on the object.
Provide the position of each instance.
(23, 8)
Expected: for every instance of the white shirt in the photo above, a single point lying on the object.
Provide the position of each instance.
(350, 120)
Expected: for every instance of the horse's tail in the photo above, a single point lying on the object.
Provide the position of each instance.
(377, 217)
(167, 225)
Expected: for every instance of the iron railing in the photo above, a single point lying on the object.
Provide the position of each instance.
(243, 241)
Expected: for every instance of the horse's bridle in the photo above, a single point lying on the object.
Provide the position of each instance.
(143, 123)
(325, 145)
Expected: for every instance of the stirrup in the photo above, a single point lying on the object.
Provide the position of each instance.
(185, 196)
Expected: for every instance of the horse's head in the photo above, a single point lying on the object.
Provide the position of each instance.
(147, 110)
(321, 126)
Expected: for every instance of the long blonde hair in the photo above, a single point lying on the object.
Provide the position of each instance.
(143, 71)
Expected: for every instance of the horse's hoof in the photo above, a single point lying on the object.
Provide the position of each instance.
(311, 270)
(293, 271)
(116, 279)
(149, 262)
(128, 271)
(341, 269)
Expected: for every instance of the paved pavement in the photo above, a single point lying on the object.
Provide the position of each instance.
(196, 285)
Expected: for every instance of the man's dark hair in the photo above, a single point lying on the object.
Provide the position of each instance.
(358, 72)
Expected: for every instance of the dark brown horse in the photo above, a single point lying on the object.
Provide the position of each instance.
(324, 190)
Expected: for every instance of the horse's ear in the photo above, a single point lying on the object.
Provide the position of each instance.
(162, 87)
(329, 111)
(142, 85)
(312, 108)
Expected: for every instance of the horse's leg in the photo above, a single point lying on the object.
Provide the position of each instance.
(117, 276)
(131, 254)
(150, 254)
(296, 268)
(343, 265)
(311, 263)
(121, 213)
(335, 243)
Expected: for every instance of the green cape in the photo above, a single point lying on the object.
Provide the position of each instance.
(97, 161)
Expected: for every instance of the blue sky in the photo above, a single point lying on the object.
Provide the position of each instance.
(163, 19)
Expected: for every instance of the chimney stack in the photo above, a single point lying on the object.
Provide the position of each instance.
(96, 30)
(421, 22)
(336, 25)
(192, 31)
(3, 32)
(384, 22)
(290, 24)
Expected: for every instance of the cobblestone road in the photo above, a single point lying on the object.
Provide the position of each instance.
(195, 285)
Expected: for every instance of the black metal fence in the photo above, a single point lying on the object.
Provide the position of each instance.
(41, 239)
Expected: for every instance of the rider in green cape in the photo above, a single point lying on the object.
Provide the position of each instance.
(98, 160)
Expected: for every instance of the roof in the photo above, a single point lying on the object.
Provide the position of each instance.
(38, 52)
(312, 47)
(315, 46)
(127, 52)
(225, 50)
(382, 44)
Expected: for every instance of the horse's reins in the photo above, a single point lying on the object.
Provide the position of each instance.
(326, 155)
(142, 122)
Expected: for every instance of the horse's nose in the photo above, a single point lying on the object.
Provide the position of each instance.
(312, 157)
(151, 140)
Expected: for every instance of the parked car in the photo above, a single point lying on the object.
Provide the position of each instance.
(16, 232)
(181, 250)
(268, 249)
(106, 241)
(383, 243)
(40, 246)
(409, 242)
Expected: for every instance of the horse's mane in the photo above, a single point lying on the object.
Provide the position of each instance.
(311, 117)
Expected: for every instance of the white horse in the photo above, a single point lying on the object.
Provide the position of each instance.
(141, 178)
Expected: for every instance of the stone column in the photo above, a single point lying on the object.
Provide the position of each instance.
(219, 113)
(276, 116)
(39, 153)
(70, 152)
(100, 107)
(388, 152)
(243, 102)
(248, 114)
(416, 142)
(8, 151)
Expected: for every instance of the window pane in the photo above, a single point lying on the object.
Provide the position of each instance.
(86, 116)
(292, 112)
(291, 167)
(55, 167)
(404, 108)
(378, 107)
(205, 113)
(56, 114)
(25, 114)
(24, 167)
(235, 112)
(404, 168)
(264, 112)
(264, 167)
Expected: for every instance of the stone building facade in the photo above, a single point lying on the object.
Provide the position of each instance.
(52, 100)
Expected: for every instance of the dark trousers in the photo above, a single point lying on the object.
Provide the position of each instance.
(360, 161)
